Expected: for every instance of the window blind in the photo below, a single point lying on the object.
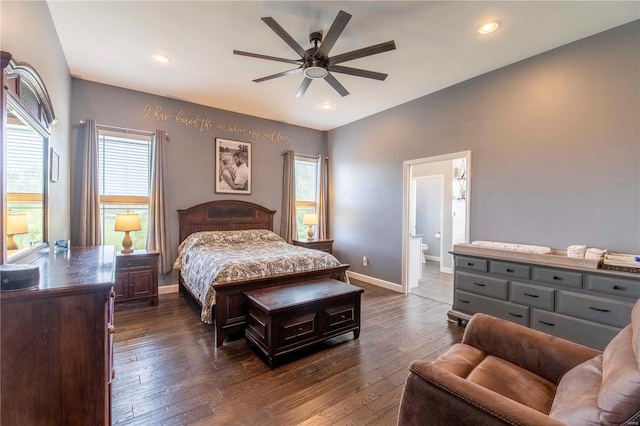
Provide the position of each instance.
(305, 175)
(25, 160)
(124, 166)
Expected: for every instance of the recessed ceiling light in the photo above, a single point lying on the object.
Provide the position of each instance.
(326, 106)
(159, 57)
(489, 27)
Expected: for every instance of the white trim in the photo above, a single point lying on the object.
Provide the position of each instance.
(430, 257)
(447, 270)
(166, 289)
(375, 281)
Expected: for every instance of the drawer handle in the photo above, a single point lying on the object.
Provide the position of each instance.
(599, 309)
(470, 264)
(546, 323)
(557, 278)
(510, 270)
(299, 328)
(515, 315)
(463, 301)
(531, 295)
(619, 287)
(343, 317)
(479, 284)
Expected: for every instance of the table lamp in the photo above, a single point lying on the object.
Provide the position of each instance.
(127, 222)
(310, 219)
(16, 224)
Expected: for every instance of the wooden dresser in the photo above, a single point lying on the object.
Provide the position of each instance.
(56, 341)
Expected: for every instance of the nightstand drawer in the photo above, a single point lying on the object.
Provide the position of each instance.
(557, 277)
(506, 269)
(135, 262)
(480, 284)
(605, 311)
(321, 246)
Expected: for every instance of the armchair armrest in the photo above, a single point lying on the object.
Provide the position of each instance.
(545, 355)
(434, 396)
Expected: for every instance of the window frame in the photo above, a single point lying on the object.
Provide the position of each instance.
(304, 203)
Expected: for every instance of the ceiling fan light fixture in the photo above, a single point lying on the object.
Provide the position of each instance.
(489, 27)
(315, 72)
(161, 57)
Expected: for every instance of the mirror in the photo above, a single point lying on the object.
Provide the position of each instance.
(27, 116)
(25, 184)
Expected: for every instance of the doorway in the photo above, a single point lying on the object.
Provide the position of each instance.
(449, 175)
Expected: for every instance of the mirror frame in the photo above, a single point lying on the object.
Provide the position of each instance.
(16, 75)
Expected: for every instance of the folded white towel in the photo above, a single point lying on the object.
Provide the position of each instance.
(527, 248)
(576, 251)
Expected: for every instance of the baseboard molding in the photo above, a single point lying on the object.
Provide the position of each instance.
(375, 281)
(434, 258)
(166, 289)
(447, 270)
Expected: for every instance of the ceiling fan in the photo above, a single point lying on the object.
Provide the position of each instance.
(315, 62)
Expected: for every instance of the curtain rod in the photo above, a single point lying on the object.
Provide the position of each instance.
(305, 155)
(125, 130)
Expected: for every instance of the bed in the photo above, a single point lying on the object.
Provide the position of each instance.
(225, 304)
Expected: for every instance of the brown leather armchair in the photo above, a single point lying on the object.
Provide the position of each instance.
(503, 373)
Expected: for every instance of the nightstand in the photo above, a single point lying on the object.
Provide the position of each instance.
(323, 245)
(137, 276)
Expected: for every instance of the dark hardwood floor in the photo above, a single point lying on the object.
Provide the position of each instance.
(168, 370)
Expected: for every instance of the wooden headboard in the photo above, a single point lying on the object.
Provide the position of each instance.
(224, 215)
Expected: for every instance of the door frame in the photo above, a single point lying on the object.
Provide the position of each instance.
(407, 167)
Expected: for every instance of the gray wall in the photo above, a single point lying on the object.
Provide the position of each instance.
(191, 149)
(28, 33)
(555, 155)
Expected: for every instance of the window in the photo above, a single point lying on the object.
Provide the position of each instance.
(306, 169)
(125, 173)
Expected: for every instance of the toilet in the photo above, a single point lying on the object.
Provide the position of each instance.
(425, 247)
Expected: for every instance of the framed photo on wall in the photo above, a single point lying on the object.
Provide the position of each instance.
(233, 167)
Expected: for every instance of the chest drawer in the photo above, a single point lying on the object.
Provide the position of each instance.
(532, 295)
(557, 277)
(513, 270)
(297, 329)
(480, 284)
(606, 311)
(339, 317)
(471, 264)
(613, 285)
(473, 303)
(584, 332)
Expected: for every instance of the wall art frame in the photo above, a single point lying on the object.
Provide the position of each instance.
(232, 167)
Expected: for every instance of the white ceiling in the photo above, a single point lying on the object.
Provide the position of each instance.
(437, 46)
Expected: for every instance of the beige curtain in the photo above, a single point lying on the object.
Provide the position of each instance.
(158, 235)
(288, 222)
(88, 216)
(323, 198)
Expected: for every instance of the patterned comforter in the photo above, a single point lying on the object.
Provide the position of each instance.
(208, 258)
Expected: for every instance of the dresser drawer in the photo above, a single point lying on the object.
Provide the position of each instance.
(135, 262)
(532, 295)
(613, 285)
(472, 303)
(481, 284)
(557, 277)
(471, 263)
(513, 270)
(577, 330)
(606, 311)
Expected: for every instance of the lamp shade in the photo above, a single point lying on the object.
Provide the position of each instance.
(127, 222)
(310, 219)
(17, 223)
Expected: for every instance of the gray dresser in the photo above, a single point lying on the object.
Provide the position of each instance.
(588, 306)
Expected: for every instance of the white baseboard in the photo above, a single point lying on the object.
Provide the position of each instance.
(447, 270)
(166, 289)
(434, 258)
(375, 281)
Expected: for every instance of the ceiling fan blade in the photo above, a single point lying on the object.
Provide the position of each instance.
(358, 72)
(361, 53)
(329, 78)
(271, 58)
(303, 87)
(280, 74)
(334, 32)
(285, 36)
